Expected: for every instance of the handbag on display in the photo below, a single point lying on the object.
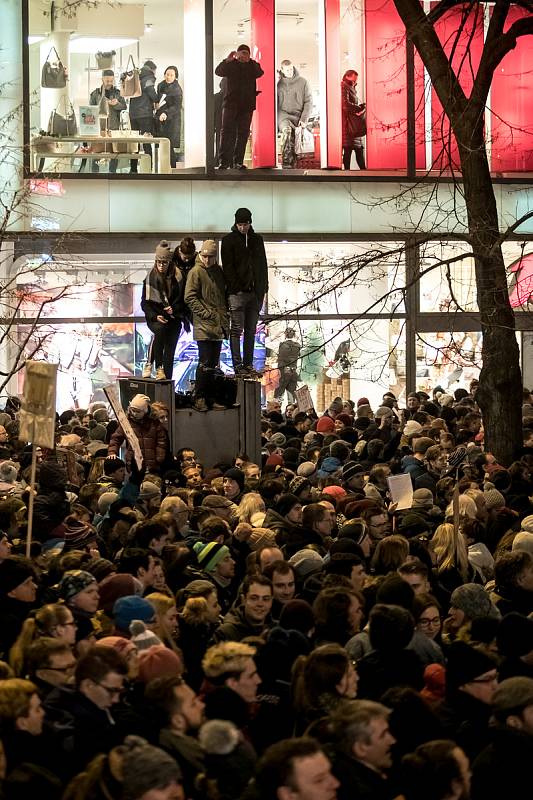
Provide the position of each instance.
(104, 60)
(53, 74)
(130, 82)
(103, 105)
(359, 124)
(63, 124)
(304, 141)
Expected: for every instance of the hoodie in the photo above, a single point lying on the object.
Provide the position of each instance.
(244, 263)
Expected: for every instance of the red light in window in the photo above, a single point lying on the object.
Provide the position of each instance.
(47, 187)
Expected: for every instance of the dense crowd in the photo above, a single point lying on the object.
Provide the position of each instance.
(272, 631)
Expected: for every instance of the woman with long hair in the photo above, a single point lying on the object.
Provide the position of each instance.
(166, 616)
(452, 567)
(390, 553)
(55, 621)
(352, 122)
(250, 507)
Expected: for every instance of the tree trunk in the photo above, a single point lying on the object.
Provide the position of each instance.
(500, 385)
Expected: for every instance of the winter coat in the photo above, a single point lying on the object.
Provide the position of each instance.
(13, 614)
(240, 90)
(113, 121)
(351, 109)
(359, 781)
(143, 106)
(160, 291)
(153, 441)
(172, 107)
(295, 100)
(205, 294)
(236, 627)
(507, 759)
(244, 263)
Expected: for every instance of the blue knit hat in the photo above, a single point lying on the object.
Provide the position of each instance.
(126, 609)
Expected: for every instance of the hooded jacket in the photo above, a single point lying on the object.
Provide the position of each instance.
(244, 263)
(160, 291)
(295, 100)
(153, 441)
(240, 91)
(143, 106)
(205, 294)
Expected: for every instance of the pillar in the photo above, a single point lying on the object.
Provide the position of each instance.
(263, 45)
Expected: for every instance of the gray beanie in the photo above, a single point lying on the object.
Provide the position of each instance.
(145, 767)
(473, 601)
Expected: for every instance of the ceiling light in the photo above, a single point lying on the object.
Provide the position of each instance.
(148, 27)
(95, 44)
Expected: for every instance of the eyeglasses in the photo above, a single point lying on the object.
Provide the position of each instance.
(425, 623)
(112, 691)
(68, 668)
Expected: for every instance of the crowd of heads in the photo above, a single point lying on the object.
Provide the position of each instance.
(270, 630)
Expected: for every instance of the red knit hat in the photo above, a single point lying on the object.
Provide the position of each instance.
(363, 401)
(158, 661)
(325, 425)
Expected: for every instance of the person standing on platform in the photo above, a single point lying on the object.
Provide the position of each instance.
(205, 294)
(164, 309)
(238, 104)
(246, 273)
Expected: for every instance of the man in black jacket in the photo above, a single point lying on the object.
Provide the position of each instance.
(115, 104)
(246, 273)
(238, 104)
(142, 108)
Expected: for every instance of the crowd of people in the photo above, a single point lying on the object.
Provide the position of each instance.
(268, 631)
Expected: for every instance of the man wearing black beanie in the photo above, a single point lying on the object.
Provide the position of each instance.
(246, 273)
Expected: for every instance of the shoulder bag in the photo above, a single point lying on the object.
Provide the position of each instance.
(105, 60)
(63, 124)
(54, 74)
(130, 82)
(359, 124)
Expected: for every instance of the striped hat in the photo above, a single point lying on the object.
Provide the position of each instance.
(210, 555)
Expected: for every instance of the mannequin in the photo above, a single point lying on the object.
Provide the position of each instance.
(295, 103)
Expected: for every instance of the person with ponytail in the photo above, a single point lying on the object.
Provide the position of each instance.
(54, 621)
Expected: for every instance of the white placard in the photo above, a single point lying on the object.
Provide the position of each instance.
(401, 491)
(112, 396)
(38, 409)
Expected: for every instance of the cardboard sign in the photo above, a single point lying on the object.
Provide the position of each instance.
(38, 409)
(112, 395)
(401, 491)
(304, 399)
(67, 460)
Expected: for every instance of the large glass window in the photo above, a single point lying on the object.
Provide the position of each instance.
(84, 118)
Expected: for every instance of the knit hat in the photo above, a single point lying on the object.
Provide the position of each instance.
(158, 661)
(334, 491)
(13, 572)
(345, 418)
(523, 541)
(131, 607)
(493, 498)
(383, 411)
(412, 426)
(351, 469)
(465, 663)
(279, 439)
(101, 568)
(8, 471)
(243, 214)
(145, 767)
(150, 64)
(261, 537)
(515, 635)
(209, 248)
(163, 251)
(140, 401)
(105, 500)
(275, 460)
(412, 524)
(306, 561)
(52, 476)
(363, 401)
(141, 636)
(210, 555)
(243, 47)
(527, 524)
(101, 415)
(422, 444)
(217, 501)
(422, 498)
(97, 433)
(236, 474)
(298, 484)
(297, 615)
(364, 411)
(285, 503)
(119, 643)
(78, 534)
(325, 425)
(473, 601)
(329, 466)
(306, 469)
(115, 586)
(512, 696)
(149, 490)
(73, 582)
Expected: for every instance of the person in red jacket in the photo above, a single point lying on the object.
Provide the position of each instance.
(152, 436)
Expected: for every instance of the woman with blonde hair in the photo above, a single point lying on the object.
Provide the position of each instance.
(252, 509)
(452, 567)
(166, 615)
(198, 619)
(55, 621)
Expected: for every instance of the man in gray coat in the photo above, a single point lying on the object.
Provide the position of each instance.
(294, 108)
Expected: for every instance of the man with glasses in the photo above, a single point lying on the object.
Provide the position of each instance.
(51, 664)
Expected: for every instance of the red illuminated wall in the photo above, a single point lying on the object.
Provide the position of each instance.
(467, 44)
(333, 153)
(263, 17)
(511, 104)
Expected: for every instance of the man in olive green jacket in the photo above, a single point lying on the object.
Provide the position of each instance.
(205, 294)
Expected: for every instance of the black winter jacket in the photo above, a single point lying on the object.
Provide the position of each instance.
(244, 263)
(240, 91)
(143, 106)
(171, 128)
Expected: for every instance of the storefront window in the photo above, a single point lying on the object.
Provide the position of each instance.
(83, 118)
(447, 280)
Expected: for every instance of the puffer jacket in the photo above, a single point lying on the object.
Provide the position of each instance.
(295, 100)
(205, 294)
(153, 441)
